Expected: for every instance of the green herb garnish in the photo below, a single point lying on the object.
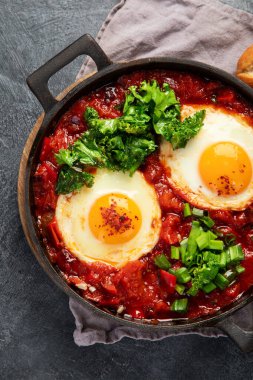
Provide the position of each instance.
(187, 210)
(208, 262)
(123, 143)
(174, 253)
(71, 179)
(162, 262)
(180, 305)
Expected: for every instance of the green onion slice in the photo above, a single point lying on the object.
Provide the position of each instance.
(174, 252)
(197, 212)
(180, 305)
(187, 210)
(221, 281)
(208, 288)
(183, 275)
(162, 262)
(180, 288)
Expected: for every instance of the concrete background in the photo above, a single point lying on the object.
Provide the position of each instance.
(36, 325)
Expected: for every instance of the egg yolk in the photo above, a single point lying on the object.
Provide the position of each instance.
(115, 219)
(225, 168)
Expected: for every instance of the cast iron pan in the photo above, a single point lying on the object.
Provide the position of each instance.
(108, 72)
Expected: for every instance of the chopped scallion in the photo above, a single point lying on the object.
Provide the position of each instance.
(207, 221)
(208, 288)
(229, 239)
(174, 252)
(230, 275)
(187, 210)
(211, 235)
(162, 262)
(188, 258)
(217, 245)
(221, 281)
(202, 240)
(228, 258)
(235, 253)
(183, 246)
(199, 259)
(172, 271)
(183, 275)
(193, 291)
(194, 233)
(239, 269)
(212, 257)
(180, 288)
(180, 305)
(197, 212)
(223, 259)
(206, 256)
(184, 256)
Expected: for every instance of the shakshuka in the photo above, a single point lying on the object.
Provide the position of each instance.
(143, 195)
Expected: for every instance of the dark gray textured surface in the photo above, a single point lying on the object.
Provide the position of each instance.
(35, 323)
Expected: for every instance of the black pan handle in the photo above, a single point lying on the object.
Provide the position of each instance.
(243, 338)
(38, 81)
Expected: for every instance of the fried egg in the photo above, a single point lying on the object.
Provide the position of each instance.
(214, 170)
(115, 221)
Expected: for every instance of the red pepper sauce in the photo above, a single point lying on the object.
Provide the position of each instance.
(138, 286)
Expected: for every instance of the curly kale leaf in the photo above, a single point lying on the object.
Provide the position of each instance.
(71, 179)
(123, 143)
(187, 129)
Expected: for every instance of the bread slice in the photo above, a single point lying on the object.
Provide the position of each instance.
(245, 66)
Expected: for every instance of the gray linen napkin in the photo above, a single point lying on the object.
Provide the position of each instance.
(203, 30)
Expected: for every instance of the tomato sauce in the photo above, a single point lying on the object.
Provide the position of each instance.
(138, 289)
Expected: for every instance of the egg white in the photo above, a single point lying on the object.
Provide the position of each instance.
(182, 164)
(72, 214)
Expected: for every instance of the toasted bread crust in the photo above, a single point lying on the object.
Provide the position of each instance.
(245, 66)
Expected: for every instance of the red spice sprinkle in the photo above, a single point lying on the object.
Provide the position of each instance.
(228, 186)
(118, 222)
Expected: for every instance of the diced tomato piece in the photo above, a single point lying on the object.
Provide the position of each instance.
(153, 170)
(226, 96)
(44, 186)
(112, 301)
(168, 279)
(222, 215)
(170, 229)
(224, 230)
(50, 200)
(47, 172)
(60, 139)
(233, 290)
(46, 201)
(53, 255)
(131, 276)
(79, 107)
(191, 87)
(73, 122)
(185, 228)
(161, 307)
(46, 149)
(55, 233)
(167, 199)
(110, 288)
(212, 85)
(240, 219)
(95, 297)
